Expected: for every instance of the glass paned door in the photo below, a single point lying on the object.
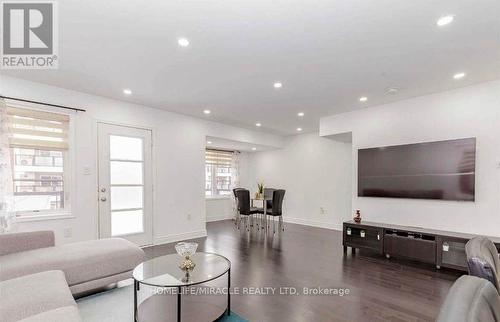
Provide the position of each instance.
(125, 186)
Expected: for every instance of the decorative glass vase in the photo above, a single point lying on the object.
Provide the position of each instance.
(186, 250)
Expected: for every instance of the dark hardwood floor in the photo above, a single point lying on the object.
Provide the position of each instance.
(302, 256)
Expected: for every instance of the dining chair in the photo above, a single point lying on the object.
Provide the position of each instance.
(268, 194)
(235, 207)
(277, 209)
(244, 209)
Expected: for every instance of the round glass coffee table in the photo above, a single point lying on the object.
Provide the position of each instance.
(172, 287)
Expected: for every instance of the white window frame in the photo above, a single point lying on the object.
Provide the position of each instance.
(68, 174)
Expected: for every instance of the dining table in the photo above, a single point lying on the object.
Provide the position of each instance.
(263, 218)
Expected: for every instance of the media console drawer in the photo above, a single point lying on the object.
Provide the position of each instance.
(419, 249)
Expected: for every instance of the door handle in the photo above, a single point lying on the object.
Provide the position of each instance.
(103, 199)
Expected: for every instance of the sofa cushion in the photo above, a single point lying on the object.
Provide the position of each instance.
(81, 262)
(471, 299)
(62, 314)
(29, 295)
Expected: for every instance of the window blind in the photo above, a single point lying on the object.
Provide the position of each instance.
(37, 129)
(219, 158)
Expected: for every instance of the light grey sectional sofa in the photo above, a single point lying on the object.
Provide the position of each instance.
(37, 297)
(31, 263)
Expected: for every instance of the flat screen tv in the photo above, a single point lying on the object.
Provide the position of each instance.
(442, 170)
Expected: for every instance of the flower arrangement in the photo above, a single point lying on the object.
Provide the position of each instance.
(260, 189)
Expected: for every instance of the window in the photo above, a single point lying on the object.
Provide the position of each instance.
(38, 145)
(218, 172)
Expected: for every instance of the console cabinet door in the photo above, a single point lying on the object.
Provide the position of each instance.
(364, 237)
(451, 253)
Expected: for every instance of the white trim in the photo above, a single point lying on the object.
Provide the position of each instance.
(28, 218)
(179, 237)
(313, 223)
(218, 218)
(219, 197)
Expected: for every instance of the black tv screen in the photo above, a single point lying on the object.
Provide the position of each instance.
(434, 170)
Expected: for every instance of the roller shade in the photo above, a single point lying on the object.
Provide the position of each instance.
(220, 158)
(37, 129)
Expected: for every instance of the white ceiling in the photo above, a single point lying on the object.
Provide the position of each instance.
(327, 53)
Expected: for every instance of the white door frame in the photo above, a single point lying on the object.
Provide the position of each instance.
(104, 129)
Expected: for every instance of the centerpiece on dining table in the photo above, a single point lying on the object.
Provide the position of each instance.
(260, 190)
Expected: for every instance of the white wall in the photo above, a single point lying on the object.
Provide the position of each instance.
(468, 112)
(219, 208)
(179, 145)
(315, 172)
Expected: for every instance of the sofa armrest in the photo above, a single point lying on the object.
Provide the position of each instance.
(19, 242)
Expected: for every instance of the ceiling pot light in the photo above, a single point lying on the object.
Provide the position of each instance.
(209, 142)
(445, 20)
(258, 124)
(278, 85)
(127, 91)
(459, 75)
(206, 112)
(299, 129)
(254, 149)
(300, 114)
(363, 99)
(183, 42)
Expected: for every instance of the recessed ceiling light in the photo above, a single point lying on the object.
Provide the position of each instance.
(183, 42)
(209, 142)
(258, 124)
(254, 149)
(300, 114)
(206, 111)
(278, 85)
(459, 75)
(444, 20)
(127, 91)
(363, 99)
(299, 129)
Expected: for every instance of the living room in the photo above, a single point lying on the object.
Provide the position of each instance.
(217, 173)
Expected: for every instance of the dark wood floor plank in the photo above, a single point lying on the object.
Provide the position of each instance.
(381, 289)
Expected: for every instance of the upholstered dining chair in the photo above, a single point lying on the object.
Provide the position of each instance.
(235, 207)
(482, 259)
(268, 194)
(277, 208)
(471, 299)
(244, 209)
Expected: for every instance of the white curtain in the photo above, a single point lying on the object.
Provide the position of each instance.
(235, 170)
(7, 217)
(235, 179)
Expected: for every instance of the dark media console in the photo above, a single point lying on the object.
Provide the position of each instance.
(436, 247)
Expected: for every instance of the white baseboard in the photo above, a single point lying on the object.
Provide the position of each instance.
(180, 237)
(218, 218)
(312, 223)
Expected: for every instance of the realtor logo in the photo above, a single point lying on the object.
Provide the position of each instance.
(29, 35)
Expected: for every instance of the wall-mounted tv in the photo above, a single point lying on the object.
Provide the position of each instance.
(442, 170)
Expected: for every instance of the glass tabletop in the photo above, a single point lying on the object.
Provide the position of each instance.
(164, 271)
